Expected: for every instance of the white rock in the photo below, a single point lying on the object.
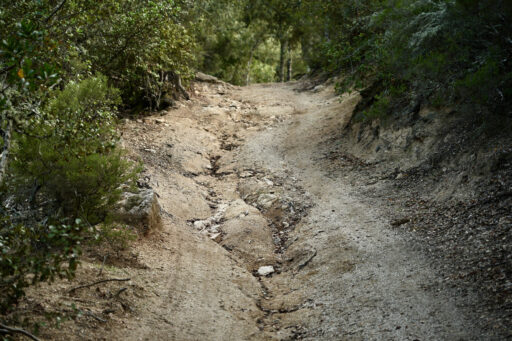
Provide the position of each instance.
(246, 174)
(200, 224)
(266, 270)
(216, 237)
(266, 200)
(318, 88)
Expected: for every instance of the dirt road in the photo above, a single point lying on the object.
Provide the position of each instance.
(243, 183)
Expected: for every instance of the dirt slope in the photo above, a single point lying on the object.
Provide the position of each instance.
(240, 177)
(243, 184)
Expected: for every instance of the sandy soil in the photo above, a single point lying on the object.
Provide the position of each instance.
(243, 185)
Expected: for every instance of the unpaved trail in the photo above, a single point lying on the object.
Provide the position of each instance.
(243, 184)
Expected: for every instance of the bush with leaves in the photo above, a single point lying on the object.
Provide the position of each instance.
(133, 42)
(69, 151)
(36, 253)
(68, 160)
(443, 52)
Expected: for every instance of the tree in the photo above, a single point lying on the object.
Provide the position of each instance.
(280, 17)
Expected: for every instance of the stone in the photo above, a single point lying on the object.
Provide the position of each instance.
(400, 222)
(200, 224)
(268, 182)
(201, 77)
(216, 237)
(246, 174)
(141, 210)
(318, 88)
(266, 270)
(266, 200)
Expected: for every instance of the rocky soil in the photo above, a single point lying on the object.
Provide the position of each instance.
(275, 228)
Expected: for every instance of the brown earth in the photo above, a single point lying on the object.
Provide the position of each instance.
(243, 184)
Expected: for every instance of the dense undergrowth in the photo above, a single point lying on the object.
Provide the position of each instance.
(69, 67)
(438, 53)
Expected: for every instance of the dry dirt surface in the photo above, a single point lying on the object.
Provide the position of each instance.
(243, 189)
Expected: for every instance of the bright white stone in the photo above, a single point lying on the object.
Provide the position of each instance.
(266, 270)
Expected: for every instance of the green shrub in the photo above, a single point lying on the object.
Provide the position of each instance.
(67, 154)
(479, 84)
(83, 186)
(134, 43)
(446, 52)
(379, 109)
(70, 151)
(36, 253)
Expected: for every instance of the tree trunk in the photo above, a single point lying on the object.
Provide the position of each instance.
(248, 76)
(249, 63)
(282, 59)
(176, 81)
(4, 155)
(289, 65)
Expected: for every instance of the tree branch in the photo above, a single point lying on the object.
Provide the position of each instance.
(99, 282)
(4, 154)
(56, 9)
(7, 69)
(8, 330)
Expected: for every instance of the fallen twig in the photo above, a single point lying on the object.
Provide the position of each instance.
(99, 282)
(8, 330)
(126, 307)
(97, 318)
(400, 222)
(119, 292)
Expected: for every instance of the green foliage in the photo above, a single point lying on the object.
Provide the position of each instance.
(65, 67)
(86, 186)
(226, 41)
(240, 41)
(262, 73)
(133, 42)
(89, 97)
(380, 108)
(478, 84)
(69, 151)
(447, 51)
(37, 253)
